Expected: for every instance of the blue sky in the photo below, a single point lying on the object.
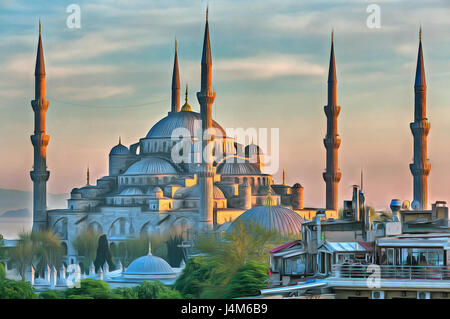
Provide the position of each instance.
(112, 78)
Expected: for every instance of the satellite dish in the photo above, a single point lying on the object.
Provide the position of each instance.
(415, 205)
(406, 205)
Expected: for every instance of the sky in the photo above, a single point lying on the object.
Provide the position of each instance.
(112, 78)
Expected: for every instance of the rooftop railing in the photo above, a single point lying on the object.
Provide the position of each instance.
(356, 271)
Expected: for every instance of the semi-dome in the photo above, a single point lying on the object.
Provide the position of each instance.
(119, 149)
(273, 218)
(185, 119)
(149, 265)
(151, 166)
(131, 191)
(194, 192)
(238, 169)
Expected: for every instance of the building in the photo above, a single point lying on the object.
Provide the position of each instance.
(150, 190)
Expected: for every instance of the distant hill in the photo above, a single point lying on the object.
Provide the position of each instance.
(16, 207)
(15, 200)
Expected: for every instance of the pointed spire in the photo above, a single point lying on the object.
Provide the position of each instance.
(420, 71)
(40, 66)
(206, 56)
(120, 140)
(149, 248)
(362, 179)
(284, 177)
(332, 69)
(176, 82)
(87, 177)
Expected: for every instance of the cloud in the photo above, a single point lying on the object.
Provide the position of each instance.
(94, 92)
(263, 68)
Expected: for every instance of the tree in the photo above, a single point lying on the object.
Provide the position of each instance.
(48, 250)
(2, 272)
(196, 276)
(126, 292)
(16, 289)
(52, 294)
(86, 246)
(174, 252)
(23, 255)
(91, 289)
(37, 249)
(103, 254)
(248, 280)
(155, 290)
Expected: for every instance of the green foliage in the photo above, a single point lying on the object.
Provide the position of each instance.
(52, 294)
(174, 252)
(2, 272)
(103, 254)
(155, 290)
(126, 292)
(37, 249)
(248, 280)
(16, 289)
(91, 289)
(86, 246)
(198, 274)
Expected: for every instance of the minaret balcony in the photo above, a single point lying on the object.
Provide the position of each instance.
(332, 110)
(39, 176)
(420, 128)
(420, 170)
(333, 177)
(207, 97)
(40, 105)
(332, 142)
(40, 139)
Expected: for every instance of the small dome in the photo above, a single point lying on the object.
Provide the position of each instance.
(131, 191)
(151, 166)
(297, 185)
(253, 149)
(75, 191)
(273, 218)
(119, 149)
(149, 264)
(155, 191)
(194, 192)
(238, 169)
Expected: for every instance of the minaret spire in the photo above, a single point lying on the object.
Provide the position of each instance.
(332, 175)
(206, 98)
(420, 128)
(176, 82)
(39, 175)
(87, 177)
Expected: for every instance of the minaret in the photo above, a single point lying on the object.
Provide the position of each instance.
(39, 174)
(332, 175)
(175, 83)
(206, 98)
(420, 128)
(88, 176)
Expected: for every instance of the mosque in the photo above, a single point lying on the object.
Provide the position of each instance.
(148, 192)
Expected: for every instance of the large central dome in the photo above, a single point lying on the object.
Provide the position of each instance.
(184, 119)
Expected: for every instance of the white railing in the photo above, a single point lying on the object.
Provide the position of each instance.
(391, 272)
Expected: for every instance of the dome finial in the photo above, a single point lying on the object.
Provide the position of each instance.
(120, 140)
(186, 107)
(149, 248)
(270, 201)
(332, 35)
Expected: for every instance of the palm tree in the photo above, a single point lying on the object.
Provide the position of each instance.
(86, 246)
